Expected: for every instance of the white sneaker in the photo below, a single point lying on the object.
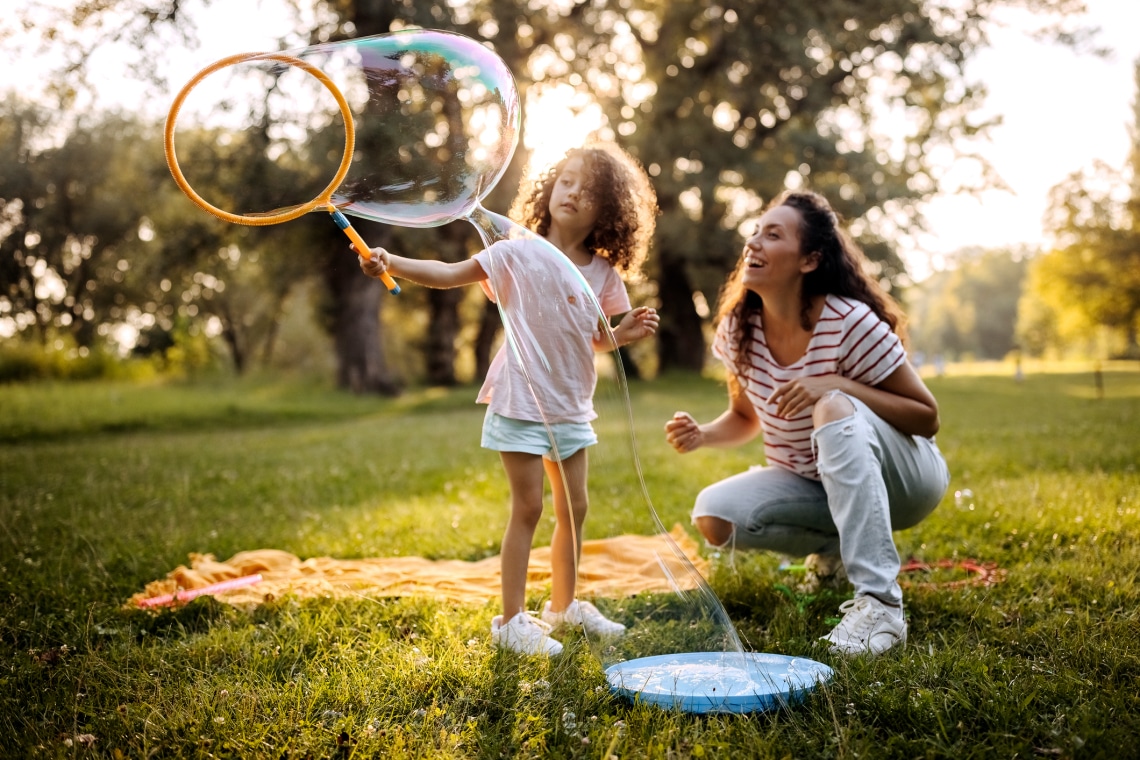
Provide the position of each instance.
(868, 627)
(823, 571)
(524, 634)
(586, 615)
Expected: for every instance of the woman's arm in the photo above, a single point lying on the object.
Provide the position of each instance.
(737, 425)
(429, 272)
(901, 399)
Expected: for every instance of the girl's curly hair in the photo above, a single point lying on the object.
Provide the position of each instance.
(841, 272)
(626, 203)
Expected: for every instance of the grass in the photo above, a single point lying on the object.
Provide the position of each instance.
(106, 487)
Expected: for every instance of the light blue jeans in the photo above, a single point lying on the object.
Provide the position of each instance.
(874, 480)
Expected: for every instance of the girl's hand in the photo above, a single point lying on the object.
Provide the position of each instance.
(683, 433)
(376, 263)
(637, 324)
(795, 397)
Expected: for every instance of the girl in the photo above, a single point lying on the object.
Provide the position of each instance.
(597, 208)
(815, 363)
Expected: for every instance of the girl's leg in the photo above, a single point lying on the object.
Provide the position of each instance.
(571, 501)
(524, 475)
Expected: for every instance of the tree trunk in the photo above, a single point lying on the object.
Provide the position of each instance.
(231, 334)
(443, 329)
(443, 305)
(354, 309)
(274, 328)
(680, 341)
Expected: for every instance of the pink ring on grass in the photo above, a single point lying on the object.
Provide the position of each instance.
(978, 573)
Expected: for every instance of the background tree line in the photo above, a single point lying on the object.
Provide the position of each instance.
(1078, 297)
(725, 104)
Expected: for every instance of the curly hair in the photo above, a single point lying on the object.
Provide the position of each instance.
(626, 202)
(841, 271)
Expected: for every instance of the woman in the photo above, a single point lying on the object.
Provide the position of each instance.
(816, 363)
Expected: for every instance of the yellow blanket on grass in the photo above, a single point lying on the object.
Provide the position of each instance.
(610, 567)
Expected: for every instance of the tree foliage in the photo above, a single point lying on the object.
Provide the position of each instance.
(1091, 278)
(971, 310)
(725, 104)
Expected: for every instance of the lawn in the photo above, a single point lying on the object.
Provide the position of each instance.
(106, 487)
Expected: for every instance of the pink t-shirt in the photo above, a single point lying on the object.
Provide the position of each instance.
(848, 340)
(550, 318)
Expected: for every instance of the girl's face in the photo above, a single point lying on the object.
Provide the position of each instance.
(572, 205)
(773, 256)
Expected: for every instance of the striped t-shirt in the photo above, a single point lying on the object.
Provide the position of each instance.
(848, 340)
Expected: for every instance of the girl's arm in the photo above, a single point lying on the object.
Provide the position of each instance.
(429, 272)
(635, 325)
(739, 424)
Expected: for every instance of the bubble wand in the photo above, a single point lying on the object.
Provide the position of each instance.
(185, 595)
(324, 198)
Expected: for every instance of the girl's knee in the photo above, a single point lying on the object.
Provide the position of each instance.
(716, 531)
(526, 515)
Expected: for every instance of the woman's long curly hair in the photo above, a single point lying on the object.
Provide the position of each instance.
(841, 271)
(626, 203)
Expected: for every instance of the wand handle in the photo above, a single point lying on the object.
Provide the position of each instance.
(361, 247)
(186, 595)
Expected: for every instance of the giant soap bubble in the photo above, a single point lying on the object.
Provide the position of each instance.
(414, 129)
(435, 117)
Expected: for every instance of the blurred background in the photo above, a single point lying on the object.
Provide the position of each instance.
(984, 153)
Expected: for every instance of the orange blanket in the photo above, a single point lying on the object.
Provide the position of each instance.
(610, 567)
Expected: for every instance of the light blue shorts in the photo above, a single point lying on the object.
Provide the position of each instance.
(505, 434)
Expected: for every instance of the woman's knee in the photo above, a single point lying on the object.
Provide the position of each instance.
(715, 530)
(833, 406)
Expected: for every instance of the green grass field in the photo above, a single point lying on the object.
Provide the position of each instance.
(106, 487)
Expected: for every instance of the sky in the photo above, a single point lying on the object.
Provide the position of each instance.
(1061, 111)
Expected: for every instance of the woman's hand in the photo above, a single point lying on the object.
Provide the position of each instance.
(637, 324)
(376, 263)
(796, 396)
(683, 433)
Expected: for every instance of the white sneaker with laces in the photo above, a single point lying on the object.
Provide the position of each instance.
(586, 615)
(524, 634)
(868, 627)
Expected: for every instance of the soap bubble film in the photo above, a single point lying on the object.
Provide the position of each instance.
(436, 118)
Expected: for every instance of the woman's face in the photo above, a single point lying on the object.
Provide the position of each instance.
(773, 257)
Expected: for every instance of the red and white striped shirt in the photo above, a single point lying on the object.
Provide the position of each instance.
(848, 340)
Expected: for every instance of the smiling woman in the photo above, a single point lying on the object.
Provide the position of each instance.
(816, 364)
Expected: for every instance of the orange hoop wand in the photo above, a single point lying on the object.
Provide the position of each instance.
(323, 199)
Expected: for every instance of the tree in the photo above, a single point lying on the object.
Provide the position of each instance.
(729, 104)
(97, 237)
(352, 303)
(970, 309)
(725, 104)
(67, 238)
(1092, 275)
